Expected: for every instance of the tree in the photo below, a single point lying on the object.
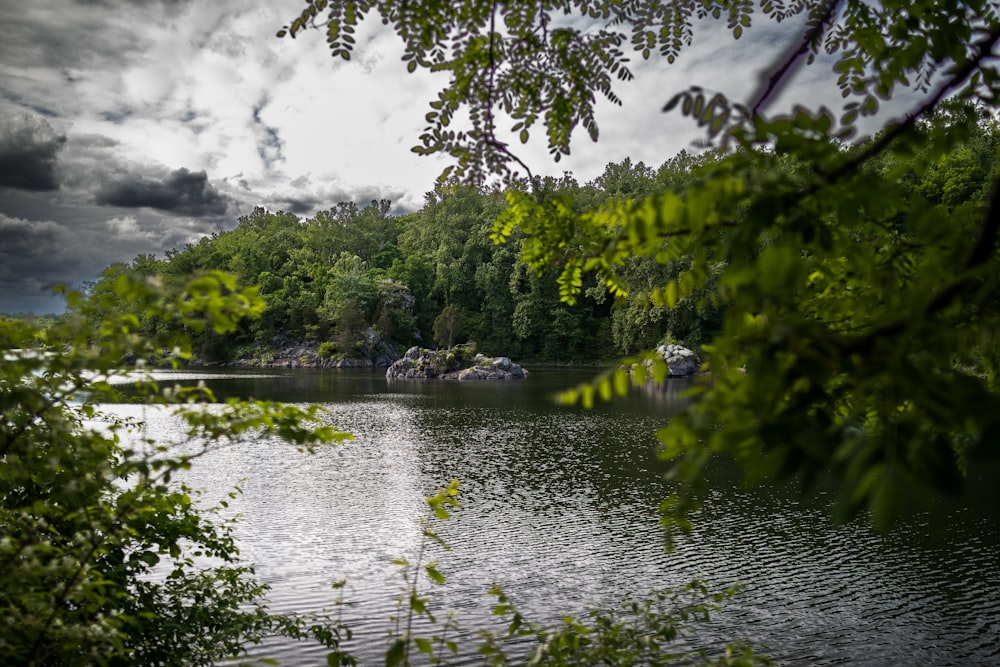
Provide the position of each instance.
(395, 310)
(369, 232)
(859, 320)
(103, 560)
(448, 326)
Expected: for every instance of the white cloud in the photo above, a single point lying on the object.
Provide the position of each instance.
(127, 227)
(149, 95)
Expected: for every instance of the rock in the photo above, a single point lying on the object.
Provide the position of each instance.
(458, 363)
(373, 352)
(681, 362)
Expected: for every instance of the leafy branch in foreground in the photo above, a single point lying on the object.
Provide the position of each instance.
(860, 313)
(104, 559)
(524, 63)
(657, 630)
(413, 604)
(858, 288)
(638, 633)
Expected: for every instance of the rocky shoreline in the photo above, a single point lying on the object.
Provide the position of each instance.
(461, 362)
(373, 352)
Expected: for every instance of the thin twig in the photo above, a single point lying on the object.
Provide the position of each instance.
(982, 51)
(792, 57)
(985, 245)
(491, 139)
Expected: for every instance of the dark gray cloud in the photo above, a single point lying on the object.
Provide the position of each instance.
(44, 243)
(25, 239)
(33, 35)
(183, 191)
(29, 147)
(80, 33)
(139, 87)
(301, 206)
(269, 143)
(34, 257)
(307, 196)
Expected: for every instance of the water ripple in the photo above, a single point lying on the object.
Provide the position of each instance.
(560, 510)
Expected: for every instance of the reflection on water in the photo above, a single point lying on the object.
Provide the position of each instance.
(560, 510)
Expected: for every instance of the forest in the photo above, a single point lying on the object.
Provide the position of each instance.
(445, 274)
(842, 292)
(437, 274)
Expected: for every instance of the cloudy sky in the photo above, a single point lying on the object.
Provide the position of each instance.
(136, 126)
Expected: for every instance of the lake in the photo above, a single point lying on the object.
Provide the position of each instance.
(560, 509)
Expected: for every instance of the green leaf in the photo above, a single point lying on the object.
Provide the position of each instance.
(149, 558)
(434, 574)
(671, 293)
(605, 390)
(621, 381)
(673, 102)
(394, 655)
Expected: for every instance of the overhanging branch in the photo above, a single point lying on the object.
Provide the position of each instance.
(792, 57)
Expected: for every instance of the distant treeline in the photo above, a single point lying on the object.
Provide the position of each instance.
(430, 278)
(436, 276)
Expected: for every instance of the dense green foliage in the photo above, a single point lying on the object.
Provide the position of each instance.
(433, 276)
(847, 295)
(107, 559)
(857, 283)
(103, 558)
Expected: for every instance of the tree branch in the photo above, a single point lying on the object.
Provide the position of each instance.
(982, 51)
(985, 245)
(981, 252)
(492, 140)
(792, 57)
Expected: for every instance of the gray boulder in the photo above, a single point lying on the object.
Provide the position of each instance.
(490, 368)
(681, 362)
(458, 363)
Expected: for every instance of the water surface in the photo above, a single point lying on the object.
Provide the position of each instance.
(561, 511)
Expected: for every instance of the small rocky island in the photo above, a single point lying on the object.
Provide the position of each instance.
(461, 362)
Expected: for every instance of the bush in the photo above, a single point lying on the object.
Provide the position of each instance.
(102, 557)
(105, 561)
